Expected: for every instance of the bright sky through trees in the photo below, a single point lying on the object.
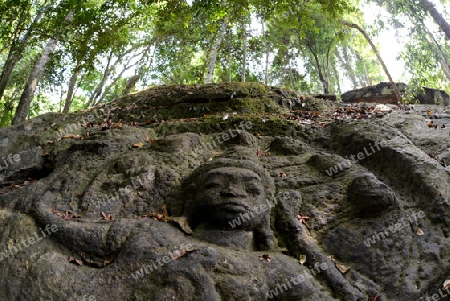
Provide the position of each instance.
(67, 55)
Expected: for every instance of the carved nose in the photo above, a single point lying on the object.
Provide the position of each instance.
(232, 191)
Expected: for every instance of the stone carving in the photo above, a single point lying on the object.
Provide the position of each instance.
(139, 253)
(231, 194)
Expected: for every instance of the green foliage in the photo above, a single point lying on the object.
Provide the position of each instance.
(111, 43)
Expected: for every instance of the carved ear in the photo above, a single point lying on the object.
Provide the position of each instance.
(189, 196)
(263, 236)
(191, 188)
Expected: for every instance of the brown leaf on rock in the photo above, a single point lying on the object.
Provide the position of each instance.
(265, 257)
(71, 136)
(107, 217)
(117, 125)
(156, 216)
(301, 259)
(164, 210)
(67, 215)
(342, 268)
(76, 261)
(375, 297)
(419, 231)
(182, 222)
(302, 218)
(281, 175)
(138, 145)
(446, 284)
(178, 253)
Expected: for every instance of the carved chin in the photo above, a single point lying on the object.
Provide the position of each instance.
(230, 220)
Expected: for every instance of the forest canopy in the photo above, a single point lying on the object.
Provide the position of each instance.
(67, 55)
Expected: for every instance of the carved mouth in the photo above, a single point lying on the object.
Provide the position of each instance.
(233, 208)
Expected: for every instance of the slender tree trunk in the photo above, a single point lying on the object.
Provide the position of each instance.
(8, 67)
(244, 58)
(71, 89)
(33, 80)
(215, 50)
(366, 73)
(346, 63)
(115, 80)
(98, 90)
(15, 52)
(437, 17)
(228, 67)
(338, 80)
(132, 81)
(322, 78)
(266, 64)
(443, 58)
(374, 48)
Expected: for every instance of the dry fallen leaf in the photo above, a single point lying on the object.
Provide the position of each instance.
(375, 297)
(138, 145)
(302, 218)
(164, 210)
(76, 261)
(177, 254)
(342, 268)
(265, 257)
(281, 175)
(182, 222)
(70, 136)
(302, 259)
(156, 216)
(107, 217)
(419, 231)
(446, 284)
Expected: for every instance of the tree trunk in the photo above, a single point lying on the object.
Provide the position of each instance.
(228, 67)
(322, 78)
(212, 62)
(98, 90)
(374, 48)
(437, 17)
(366, 73)
(266, 65)
(15, 52)
(346, 63)
(443, 58)
(131, 83)
(115, 80)
(244, 58)
(71, 89)
(33, 80)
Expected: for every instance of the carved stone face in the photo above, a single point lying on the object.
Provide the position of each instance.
(232, 195)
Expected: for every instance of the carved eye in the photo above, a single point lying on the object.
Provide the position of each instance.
(253, 189)
(210, 185)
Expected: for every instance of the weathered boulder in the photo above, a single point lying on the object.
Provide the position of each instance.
(384, 93)
(214, 192)
(434, 96)
(381, 93)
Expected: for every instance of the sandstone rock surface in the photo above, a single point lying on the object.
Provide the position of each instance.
(215, 192)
